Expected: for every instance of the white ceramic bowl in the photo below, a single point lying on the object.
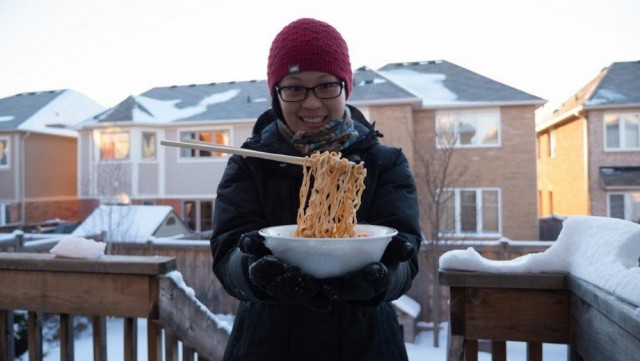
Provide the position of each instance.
(328, 257)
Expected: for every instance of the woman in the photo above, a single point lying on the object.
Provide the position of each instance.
(285, 314)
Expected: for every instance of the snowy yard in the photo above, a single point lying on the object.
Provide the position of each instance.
(421, 350)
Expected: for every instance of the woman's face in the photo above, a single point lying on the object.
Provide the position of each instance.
(312, 113)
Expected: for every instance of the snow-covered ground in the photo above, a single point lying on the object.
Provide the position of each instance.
(421, 350)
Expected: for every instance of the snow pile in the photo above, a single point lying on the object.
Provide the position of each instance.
(78, 247)
(603, 251)
(223, 322)
(408, 305)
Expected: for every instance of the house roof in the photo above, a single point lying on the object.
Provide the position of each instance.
(443, 84)
(196, 102)
(446, 84)
(617, 85)
(46, 111)
(244, 100)
(372, 87)
(620, 177)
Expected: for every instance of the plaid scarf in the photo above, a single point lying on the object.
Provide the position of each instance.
(334, 136)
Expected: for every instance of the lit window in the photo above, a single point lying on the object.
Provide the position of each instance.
(211, 136)
(470, 212)
(114, 146)
(622, 131)
(468, 128)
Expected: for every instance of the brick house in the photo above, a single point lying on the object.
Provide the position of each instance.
(38, 155)
(492, 126)
(120, 159)
(589, 149)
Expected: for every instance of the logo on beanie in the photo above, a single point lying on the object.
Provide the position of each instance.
(295, 68)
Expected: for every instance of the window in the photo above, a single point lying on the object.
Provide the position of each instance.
(114, 146)
(468, 128)
(552, 143)
(622, 131)
(4, 152)
(149, 146)
(4, 214)
(198, 215)
(220, 136)
(470, 212)
(625, 206)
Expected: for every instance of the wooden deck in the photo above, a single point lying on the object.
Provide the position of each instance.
(537, 309)
(129, 287)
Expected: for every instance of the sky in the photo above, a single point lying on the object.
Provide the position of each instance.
(111, 49)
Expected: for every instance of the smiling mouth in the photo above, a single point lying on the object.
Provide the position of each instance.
(313, 120)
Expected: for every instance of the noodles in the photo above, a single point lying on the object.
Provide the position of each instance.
(334, 199)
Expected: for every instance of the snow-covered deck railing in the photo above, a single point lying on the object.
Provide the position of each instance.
(129, 287)
(584, 291)
(538, 308)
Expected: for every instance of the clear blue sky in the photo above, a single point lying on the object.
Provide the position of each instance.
(110, 49)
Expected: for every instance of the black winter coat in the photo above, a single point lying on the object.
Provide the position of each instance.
(256, 193)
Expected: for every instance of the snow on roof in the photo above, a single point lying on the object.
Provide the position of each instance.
(407, 305)
(50, 112)
(603, 251)
(443, 84)
(166, 111)
(430, 87)
(124, 222)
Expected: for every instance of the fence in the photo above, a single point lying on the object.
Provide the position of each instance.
(194, 262)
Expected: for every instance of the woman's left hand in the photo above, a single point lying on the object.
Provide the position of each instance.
(362, 285)
(368, 287)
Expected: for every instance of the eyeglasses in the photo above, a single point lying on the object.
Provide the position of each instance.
(296, 93)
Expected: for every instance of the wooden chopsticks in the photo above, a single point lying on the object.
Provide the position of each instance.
(200, 145)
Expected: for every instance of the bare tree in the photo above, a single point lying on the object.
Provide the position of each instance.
(437, 173)
(110, 183)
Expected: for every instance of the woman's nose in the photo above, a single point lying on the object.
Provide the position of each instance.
(311, 101)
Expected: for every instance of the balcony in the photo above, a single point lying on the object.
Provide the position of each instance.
(129, 287)
(538, 308)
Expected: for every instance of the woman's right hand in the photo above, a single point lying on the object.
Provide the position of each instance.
(283, 281)
(279, 280)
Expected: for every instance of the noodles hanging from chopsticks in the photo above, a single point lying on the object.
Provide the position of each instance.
(334, 199)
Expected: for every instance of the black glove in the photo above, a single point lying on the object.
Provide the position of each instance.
(360, 285)
(278, 279)
(252, 244)
(282, 281)
(367, 287)
(397, 251)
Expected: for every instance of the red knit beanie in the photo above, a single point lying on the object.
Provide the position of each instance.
(309, 45)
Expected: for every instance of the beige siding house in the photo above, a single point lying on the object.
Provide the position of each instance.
(589, 149)
(121, 161)
(38, 155)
